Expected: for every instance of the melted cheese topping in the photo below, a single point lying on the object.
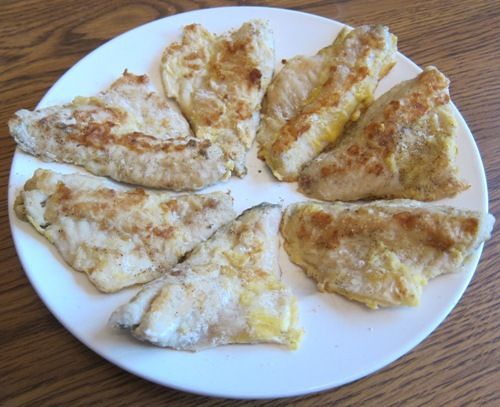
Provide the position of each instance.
(118, 238)
(381, 253)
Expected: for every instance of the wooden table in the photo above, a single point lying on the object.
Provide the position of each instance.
(459, 364)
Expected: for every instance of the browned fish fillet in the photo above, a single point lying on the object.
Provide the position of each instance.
(127, 133)
(381, 253)
(118, 238)
(404, 146)
(227, 291)
(219, 82)
(312, 98)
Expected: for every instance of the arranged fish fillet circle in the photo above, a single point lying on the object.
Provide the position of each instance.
(213, 279)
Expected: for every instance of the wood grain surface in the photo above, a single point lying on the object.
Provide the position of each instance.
(459, 364)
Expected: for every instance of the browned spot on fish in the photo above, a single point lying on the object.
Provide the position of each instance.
(355, 77)
(417, 106)
(169, 206)
(407, 220)
(193, 67)
(104, 224)
(372, 40)
(380, 136)
(164, 233)
(434, 234)
(100, 137)
(173, 48)
(305, 182)
(63, 192)
(254, 77)
(328, 170)
(439, 240)
(321, 219)
(329, 239)
(191, 56)
(303, 233)
(442, 99)
(433, 80)
(103, 193)
(375, 169)
(353, 150)
(470, 226)
(211, 203)
(372, 130)
(242, 109)
(135, 197)
(390, 111)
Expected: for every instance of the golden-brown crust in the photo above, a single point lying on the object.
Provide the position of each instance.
(439, 229)
(299, 125)
(100, 136)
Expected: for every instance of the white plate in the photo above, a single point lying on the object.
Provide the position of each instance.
(344, 341)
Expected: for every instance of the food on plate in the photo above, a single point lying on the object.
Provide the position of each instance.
(227, 291)
(381, 253)
(118, 237)
(312, 98)
(219, 82)
(128, 133)
(404, 146)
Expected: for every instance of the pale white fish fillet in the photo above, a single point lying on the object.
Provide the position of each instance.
(227, 291)
(118, 238)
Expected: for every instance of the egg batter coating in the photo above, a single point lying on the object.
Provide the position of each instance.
(404, 146)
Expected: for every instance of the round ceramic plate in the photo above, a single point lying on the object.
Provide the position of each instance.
(343, 340)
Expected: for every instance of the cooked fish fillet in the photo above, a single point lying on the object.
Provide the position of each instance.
(404, 146)
(381, 253)
(127, 133)
(312, 98)
(227, 291)
(118, 238)
(219, 82)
